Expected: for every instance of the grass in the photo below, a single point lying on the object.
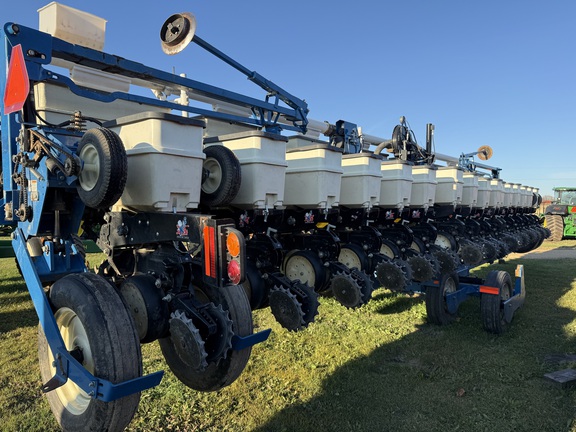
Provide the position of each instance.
(380, 368)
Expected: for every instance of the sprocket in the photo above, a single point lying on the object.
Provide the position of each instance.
(422, 267)
(308, 298)
(489, 250)
(390, 275)
(218, 345)
(286, 308)
(187, 341)
(470, 253)
(365, 283)
(447, 259)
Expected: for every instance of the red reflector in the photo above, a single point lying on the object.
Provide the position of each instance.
(234, 272)
(489, 290)
(573, 210)
(17, 83)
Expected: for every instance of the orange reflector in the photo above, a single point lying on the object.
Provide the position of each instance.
(17, 82)
(233, 244)
(489, 290)
(234, 272)
(206, 235)
(209, 252)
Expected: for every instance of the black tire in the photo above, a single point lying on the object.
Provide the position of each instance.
(222, 184)
(555, 223)
(87, 300)
(224, 372)
(104, 171)
(436, 308)
(491, 305)
(312, 273)
(255, 287)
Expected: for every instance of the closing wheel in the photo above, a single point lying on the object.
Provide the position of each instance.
(447, 259)
(104, 168)
(222, 176)
(93, 322)
(491, 304)
(389, 274)
(353, 256)
(286, 308)
(422, 267)
(436, 307)
(223, 372)
(306, 267)
(346, 290)
(470, 253)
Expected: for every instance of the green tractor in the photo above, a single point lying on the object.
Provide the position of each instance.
(560, 217)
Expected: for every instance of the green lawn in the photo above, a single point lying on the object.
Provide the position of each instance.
(380, 368)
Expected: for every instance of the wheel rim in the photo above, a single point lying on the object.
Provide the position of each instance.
(387, 251)
(90, 173)
(449, 286)
(505, 292)
(443, 242)
(416, 247)
(299, 267)
(214, 179)
(350, 258)
(73, 398)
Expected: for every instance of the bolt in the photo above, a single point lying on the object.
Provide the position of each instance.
(92, 384)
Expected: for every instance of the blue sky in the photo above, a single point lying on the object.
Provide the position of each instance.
(501, 73)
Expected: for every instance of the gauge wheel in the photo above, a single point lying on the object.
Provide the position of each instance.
(94, 323)
(436, 307)
(222, 176)
(305, 266)
(353, 256)
(491, 305)
(446, 241)
(389, 249)
(104, 171)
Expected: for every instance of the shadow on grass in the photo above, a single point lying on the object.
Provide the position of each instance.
(13, 314)
(10, 321)
(395, 302)
(456, 377)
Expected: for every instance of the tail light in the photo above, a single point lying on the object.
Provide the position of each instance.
(235, 256)
(224, 253)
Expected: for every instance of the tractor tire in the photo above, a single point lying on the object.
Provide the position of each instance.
(490, 305)
(91, 316)
(436, 308)
(555, 223)
(104, 170)
(224, 176)
(224, 372)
